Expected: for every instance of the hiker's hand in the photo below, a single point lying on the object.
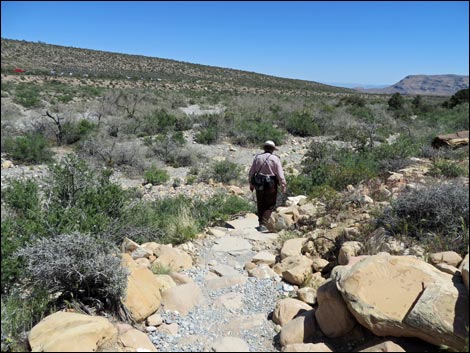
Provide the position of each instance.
(252, 188)
(283, 189)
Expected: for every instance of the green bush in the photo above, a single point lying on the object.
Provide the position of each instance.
(177, 219)
(32, 148)
(459, 97)
(447, 169)
(76, 266)
(223, 172)
(27, 95)
(302, 124)
(256, 132)
(20, 312)
(78, 200)
(156, 176)
(76, 131)
(353, 101)
(207, 136)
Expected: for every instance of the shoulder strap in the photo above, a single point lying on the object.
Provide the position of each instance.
(263, 163)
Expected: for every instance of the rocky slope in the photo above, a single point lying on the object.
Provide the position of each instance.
(55, 60)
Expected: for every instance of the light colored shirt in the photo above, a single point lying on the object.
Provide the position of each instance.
(270, 167)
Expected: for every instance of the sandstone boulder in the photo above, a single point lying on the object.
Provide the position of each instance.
(405, 296)
(288, 308)
(72, 332)
(299, 330)
(143, 290)
(449, 257)
(182, 298)
(175, 259)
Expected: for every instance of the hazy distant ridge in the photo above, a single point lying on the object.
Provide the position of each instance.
(436, 85)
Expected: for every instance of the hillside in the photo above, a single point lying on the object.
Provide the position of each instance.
(435, 85)
(40, 58)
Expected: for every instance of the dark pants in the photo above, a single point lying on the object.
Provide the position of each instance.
(266, 201)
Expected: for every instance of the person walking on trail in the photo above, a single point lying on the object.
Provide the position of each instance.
(265, 175)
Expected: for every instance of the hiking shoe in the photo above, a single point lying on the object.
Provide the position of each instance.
(262, 229)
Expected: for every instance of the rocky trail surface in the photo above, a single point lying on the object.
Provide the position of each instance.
(233, 307)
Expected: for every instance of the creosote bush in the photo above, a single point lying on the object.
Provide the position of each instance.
(156, 176)
(31, 148)
(78, 265)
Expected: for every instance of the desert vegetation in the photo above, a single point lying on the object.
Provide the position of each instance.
(126, 116)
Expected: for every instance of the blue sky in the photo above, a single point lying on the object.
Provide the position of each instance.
(371, 43)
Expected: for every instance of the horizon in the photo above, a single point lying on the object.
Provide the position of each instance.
(383, 45)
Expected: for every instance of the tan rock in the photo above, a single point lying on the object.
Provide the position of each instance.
(333, 316)
(288, 308)
(405, 296)
(169, 329)
(292, 247)
(225, 282)
(182, 298)
(151, 246)
(307, 295)
(143, 291)
(154, 320)
(165, 282)
(230, 344)
(262, 271)
(318, 264)
(294, 269)
(72, 332)
(449, 257)
(175, 259)
(307, 347)
(135, 250)
(250, 266)
(7, 164)
(315, 281)
(299, 330)
(447, 268)
(137, 341)
(464, 270)
(181, 278)
(349, 249)
(264, 257)
(143, 262)
(384, 346)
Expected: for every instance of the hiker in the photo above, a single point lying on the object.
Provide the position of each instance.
(265, 175)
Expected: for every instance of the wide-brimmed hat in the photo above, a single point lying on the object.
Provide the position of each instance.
(271, 144)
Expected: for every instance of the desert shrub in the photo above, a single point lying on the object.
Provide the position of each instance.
(435, 212)
(77, 200)
(32, 148)
(77, 266)
(27, 95)
(396, 102)
(448, 169)
(170, 149)
(156, 176)
(177, 219)
(223, 172)
(255, 132)
(352, 100)
(207, 135)
(459, 97)
(20, 312)
(160, 121)
(302, 124)
(75, 131)
(219, 208)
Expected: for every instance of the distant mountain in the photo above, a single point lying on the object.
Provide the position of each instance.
(432, 85)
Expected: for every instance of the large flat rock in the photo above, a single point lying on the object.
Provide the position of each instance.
(232, 245)
(249, 221)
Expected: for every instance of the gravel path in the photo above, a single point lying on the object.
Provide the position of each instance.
(242, 310)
